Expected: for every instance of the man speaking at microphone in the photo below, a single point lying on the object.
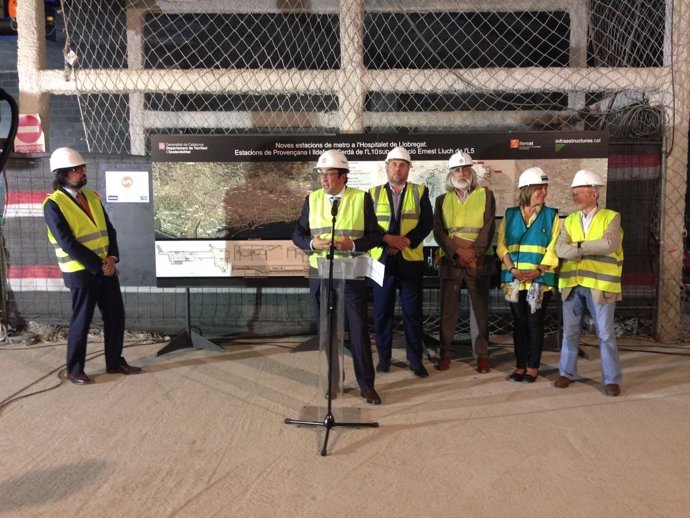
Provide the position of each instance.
(356, 230)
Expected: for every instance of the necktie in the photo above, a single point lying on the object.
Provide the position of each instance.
(84, 204)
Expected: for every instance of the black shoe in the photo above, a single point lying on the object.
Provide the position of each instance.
(528, 378)
(125, 368)
(371, 396)
(420, 371)
(383, 367)
(516, 376)
(79, 378)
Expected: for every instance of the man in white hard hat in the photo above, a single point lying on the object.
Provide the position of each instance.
(356, 230)
(86, 247)
(404, 213)
(590, 246)
(464, 224)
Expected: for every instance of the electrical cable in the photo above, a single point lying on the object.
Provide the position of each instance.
(13, 398)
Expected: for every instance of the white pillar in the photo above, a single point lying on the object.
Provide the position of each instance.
(352, 93)
(31, 59)
(135, 61)
(674, 177)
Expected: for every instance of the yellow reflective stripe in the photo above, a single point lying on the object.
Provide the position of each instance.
(342, 232)
(592, 275)
(464, 230)
(526, 248)
(320, 230)
(90, 237)
(604, 259)
(416, 208)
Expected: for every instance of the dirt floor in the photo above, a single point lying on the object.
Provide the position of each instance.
(202, 433)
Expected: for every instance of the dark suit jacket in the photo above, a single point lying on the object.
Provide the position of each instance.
(416, 235)
(92, 275)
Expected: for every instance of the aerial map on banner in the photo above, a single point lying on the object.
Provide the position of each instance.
(225, 206)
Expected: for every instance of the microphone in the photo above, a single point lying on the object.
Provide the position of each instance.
(334, 207)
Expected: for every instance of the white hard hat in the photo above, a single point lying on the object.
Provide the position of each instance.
(65, 157)
(332, 159)
(533, 176)
(459, 159)
(398, 153)
(585, 177)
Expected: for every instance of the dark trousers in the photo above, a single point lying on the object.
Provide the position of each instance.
(528, 331)
(410, 289)
(108, 298)
(356, 316)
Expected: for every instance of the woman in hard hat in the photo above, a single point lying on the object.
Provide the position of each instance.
(526, 247)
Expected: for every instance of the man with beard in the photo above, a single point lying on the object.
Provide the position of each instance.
(404, 214)
(85, 243)
(464, 228)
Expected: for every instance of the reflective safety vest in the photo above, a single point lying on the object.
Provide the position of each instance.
(93, 234)
(601, 272)
(527, 245)
(410, 209)
(349, 221)
(465, 219)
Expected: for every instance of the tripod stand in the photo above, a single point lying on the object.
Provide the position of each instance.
(329, 422)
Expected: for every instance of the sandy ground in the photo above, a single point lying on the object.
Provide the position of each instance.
(202, 433)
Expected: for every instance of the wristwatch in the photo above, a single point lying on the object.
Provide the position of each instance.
(579, 245)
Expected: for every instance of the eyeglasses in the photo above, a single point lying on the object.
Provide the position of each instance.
(327, 174)
(77, 169)
(585, 191)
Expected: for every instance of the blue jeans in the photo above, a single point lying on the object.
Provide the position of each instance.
(579, 299)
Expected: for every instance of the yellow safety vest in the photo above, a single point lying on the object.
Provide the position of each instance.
(465, 219)
(527, 246)
(349, 221)
(409, 217)
(91, 234)
(601, 272)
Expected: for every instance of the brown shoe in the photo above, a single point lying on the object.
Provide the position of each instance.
(612, 389)
(444, 363)
(562, 382)
(483, 365)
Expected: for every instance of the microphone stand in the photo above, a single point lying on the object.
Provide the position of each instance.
(329, 421)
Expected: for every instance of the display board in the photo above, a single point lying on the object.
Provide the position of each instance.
(225, 206)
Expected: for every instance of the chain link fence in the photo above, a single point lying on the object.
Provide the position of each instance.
(355, 66)
(408, 66)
